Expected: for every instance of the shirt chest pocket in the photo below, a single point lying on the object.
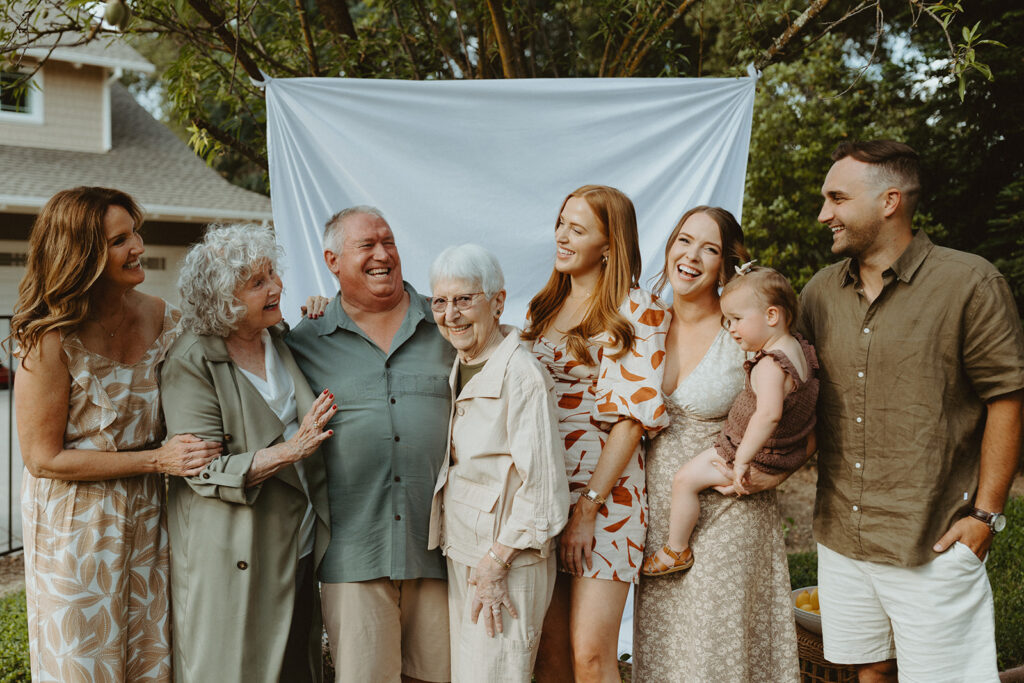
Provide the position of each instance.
(470, 512)
(421, 385)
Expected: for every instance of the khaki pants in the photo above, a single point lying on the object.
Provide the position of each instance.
(381, 629)
(508, 656)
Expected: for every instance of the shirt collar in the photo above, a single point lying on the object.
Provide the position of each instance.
(488, 382)
(335, 316)
(216, 350)
(903, 267)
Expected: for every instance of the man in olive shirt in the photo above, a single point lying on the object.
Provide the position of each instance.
(919, 424)
(376, 346)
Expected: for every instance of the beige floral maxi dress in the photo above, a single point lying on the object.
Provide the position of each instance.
(729, 618)
(591, 398)
(96, 553)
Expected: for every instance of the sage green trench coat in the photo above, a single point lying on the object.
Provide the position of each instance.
(234, 549)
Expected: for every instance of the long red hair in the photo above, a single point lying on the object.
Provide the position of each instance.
(617, 216)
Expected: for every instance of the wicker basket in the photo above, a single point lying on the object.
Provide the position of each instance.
(814, 668)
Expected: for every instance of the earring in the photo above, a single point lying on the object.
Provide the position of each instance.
(604, 259)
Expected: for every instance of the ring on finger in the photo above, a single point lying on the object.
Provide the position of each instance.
(316, 423)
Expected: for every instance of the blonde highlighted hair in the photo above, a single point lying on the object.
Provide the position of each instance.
(621, 272)
(771, 289)
(67, 252)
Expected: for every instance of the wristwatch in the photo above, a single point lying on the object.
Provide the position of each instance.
(996, 520)
(593, 496)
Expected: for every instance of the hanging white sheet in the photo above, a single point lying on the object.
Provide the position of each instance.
(490, 162)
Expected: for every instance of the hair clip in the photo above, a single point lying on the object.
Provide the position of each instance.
(745, 268)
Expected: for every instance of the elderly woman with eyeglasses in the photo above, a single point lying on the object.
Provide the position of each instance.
(502, 495)
(248, 531)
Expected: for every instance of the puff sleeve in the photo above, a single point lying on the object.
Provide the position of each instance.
(630, 386)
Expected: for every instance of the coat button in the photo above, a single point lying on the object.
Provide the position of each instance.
(242, 564)
(460, 411)
(227, 438)
(206, 475)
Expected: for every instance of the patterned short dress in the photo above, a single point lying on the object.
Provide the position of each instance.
(590, 399)
(96, 553)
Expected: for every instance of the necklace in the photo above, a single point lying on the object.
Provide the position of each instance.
(124, 316)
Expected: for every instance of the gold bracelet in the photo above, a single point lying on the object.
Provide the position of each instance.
(494, 556)
(593, 496)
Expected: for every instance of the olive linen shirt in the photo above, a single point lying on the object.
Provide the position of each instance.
(903, 385)
(389, 440)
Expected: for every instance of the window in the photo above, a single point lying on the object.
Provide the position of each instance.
(20, 101)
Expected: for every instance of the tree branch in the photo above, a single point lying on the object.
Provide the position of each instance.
(307, 36)
(233, 42)
(780, 43)
(508, 61)
(231, 142)
(634, 63)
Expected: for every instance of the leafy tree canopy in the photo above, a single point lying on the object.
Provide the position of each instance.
(944, 76)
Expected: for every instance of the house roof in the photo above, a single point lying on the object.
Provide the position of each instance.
(108, 52)
(146, 160)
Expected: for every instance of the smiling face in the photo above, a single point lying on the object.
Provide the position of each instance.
(368, 268)
(854, 208)
(580, 239)
(124, 247)
(469, 330)
(746, 317)
(694, 261)
(261, 297)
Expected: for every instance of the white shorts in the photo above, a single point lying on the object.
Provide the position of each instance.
(936, 620)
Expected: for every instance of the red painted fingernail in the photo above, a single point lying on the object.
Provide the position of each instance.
(332, 395)
(335, 406)
(330, 432)
(325, 391)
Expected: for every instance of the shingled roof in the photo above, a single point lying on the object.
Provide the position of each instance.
(146, 160)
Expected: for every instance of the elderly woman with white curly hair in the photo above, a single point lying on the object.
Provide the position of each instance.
(502, 494)
(248, 531)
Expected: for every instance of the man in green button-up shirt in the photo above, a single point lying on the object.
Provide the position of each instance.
(919, 423)
(377, 347)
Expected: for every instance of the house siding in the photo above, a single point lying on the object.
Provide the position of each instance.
(72, 112)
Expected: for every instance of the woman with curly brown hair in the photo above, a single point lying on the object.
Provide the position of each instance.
(88, 413)
(602, 338)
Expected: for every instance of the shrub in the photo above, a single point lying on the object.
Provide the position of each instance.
(803, 569)
(14, 663)
(1005, 572)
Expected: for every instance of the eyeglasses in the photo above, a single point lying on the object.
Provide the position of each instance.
(439, 304)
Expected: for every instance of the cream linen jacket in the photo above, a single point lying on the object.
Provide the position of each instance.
(504, 477)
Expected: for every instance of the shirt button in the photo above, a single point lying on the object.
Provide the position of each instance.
(859, 374)
(857, 465)
(867, 330)
(859, 419)
(387, 364)
(227, 438)
(398, 518)
(396, 438)
(242, 564)
(398, 479)
(392, 400)
(855, 508)
(460, 411)
(206, 475)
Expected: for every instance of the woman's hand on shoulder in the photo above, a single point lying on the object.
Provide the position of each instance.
(185, 455)
(315, 306)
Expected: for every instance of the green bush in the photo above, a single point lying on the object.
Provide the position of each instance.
(803, 569)
(1005, 573)
(14, 664)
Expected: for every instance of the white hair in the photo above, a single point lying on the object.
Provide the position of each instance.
(334, 229)
(469, 262)
(215, 267)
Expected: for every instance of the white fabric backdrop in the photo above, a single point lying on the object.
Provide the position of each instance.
(490, 162)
